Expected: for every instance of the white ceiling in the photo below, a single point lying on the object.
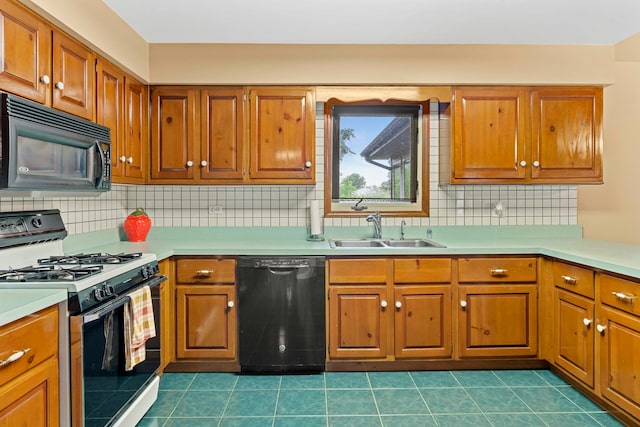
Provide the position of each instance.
(382, 21)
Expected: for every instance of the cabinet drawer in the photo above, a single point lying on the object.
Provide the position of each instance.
(357, 271)
(495, 270)
(422, 270)
(203, 270)
(573, 278)
(620, 293)
(38, 333)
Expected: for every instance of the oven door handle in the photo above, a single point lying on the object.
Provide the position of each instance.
(120, 300)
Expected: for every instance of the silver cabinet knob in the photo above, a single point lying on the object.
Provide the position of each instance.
(123, 159)
(523, 163)
(189, 163)
(45, 80)
(463, 303)
(601, 328)
(307, 164)
(230, 304)
(536, 163)
(398, 304)
(130, 160)
(59, 85)
(203, 163)
(586, 321)
(383, 304)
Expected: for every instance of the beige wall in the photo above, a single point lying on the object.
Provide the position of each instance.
(612, 211)
(95, 24)
(379, 64)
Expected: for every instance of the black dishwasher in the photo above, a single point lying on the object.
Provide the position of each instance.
(281, 305)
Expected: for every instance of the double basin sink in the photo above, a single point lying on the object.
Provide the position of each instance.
(386, 243)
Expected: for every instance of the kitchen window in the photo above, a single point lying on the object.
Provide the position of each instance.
(377, 158)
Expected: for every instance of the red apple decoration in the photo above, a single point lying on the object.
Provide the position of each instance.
(137, 225)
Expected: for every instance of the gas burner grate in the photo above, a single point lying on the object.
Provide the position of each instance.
(94, 258)
(49, 273)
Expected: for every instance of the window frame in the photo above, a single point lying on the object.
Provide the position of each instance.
(418, 209)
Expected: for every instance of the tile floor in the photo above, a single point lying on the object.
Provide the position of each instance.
(429, 398)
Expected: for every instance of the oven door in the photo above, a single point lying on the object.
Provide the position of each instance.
(101, 388)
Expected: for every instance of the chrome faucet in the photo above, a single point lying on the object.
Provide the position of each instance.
(402, 224)
(376, 219)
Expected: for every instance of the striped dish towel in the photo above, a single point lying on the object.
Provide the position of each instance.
(139, 326)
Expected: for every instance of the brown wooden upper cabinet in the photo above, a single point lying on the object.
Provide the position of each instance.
(43, 64)
(122, 105)
(201, 135)
(282, 133)
(524, 135)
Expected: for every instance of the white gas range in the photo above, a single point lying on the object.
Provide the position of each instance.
(98, 284)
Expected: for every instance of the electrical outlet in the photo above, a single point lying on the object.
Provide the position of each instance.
(216, 210)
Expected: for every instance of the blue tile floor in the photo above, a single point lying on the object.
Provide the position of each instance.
(426, 398)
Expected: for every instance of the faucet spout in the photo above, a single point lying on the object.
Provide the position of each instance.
(376, 219)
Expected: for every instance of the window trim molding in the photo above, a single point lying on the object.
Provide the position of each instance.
(421, 207)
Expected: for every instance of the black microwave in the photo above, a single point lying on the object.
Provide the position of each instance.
(45, 150)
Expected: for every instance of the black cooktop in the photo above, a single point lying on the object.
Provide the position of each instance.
(94, 258)
(49, 273)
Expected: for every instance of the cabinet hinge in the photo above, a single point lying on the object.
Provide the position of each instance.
(328, 295)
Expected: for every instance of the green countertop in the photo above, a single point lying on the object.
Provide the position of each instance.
(563, 242)
(17, 303)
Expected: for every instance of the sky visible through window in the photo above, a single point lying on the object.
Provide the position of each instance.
(365, 129)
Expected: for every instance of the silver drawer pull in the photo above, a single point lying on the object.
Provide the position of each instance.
(569, 280)
(15, 356)
(204, 272)
(499, 271)
(624, 297)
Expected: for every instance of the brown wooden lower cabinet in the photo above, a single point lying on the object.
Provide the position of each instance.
(32, 399)
(619, 362)
(202, 314)
(29, 386)
(359, 319)
(422, 321)
(206, 322)
(573, 335)
(497, 320)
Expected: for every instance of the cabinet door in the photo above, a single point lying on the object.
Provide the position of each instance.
(489, 133)
(358, 322)
(222, 144)
(110, 111)
(136, 120)
(73, 77)
(567, 134)
(32, 399)
(620, 365)
(573, 349)
(25, 49)
(206, 322)
(174, 132)
(422, 321)
(282, 134)
(497, 320)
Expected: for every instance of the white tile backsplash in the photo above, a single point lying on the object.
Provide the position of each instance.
(277, 206)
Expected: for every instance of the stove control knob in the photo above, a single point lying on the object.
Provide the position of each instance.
(98, 293)
(146, 272)
(108, 290)
(36, 222)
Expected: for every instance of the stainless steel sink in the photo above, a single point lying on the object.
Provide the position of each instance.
(356, 243)
(413, 243)
(368, 243)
